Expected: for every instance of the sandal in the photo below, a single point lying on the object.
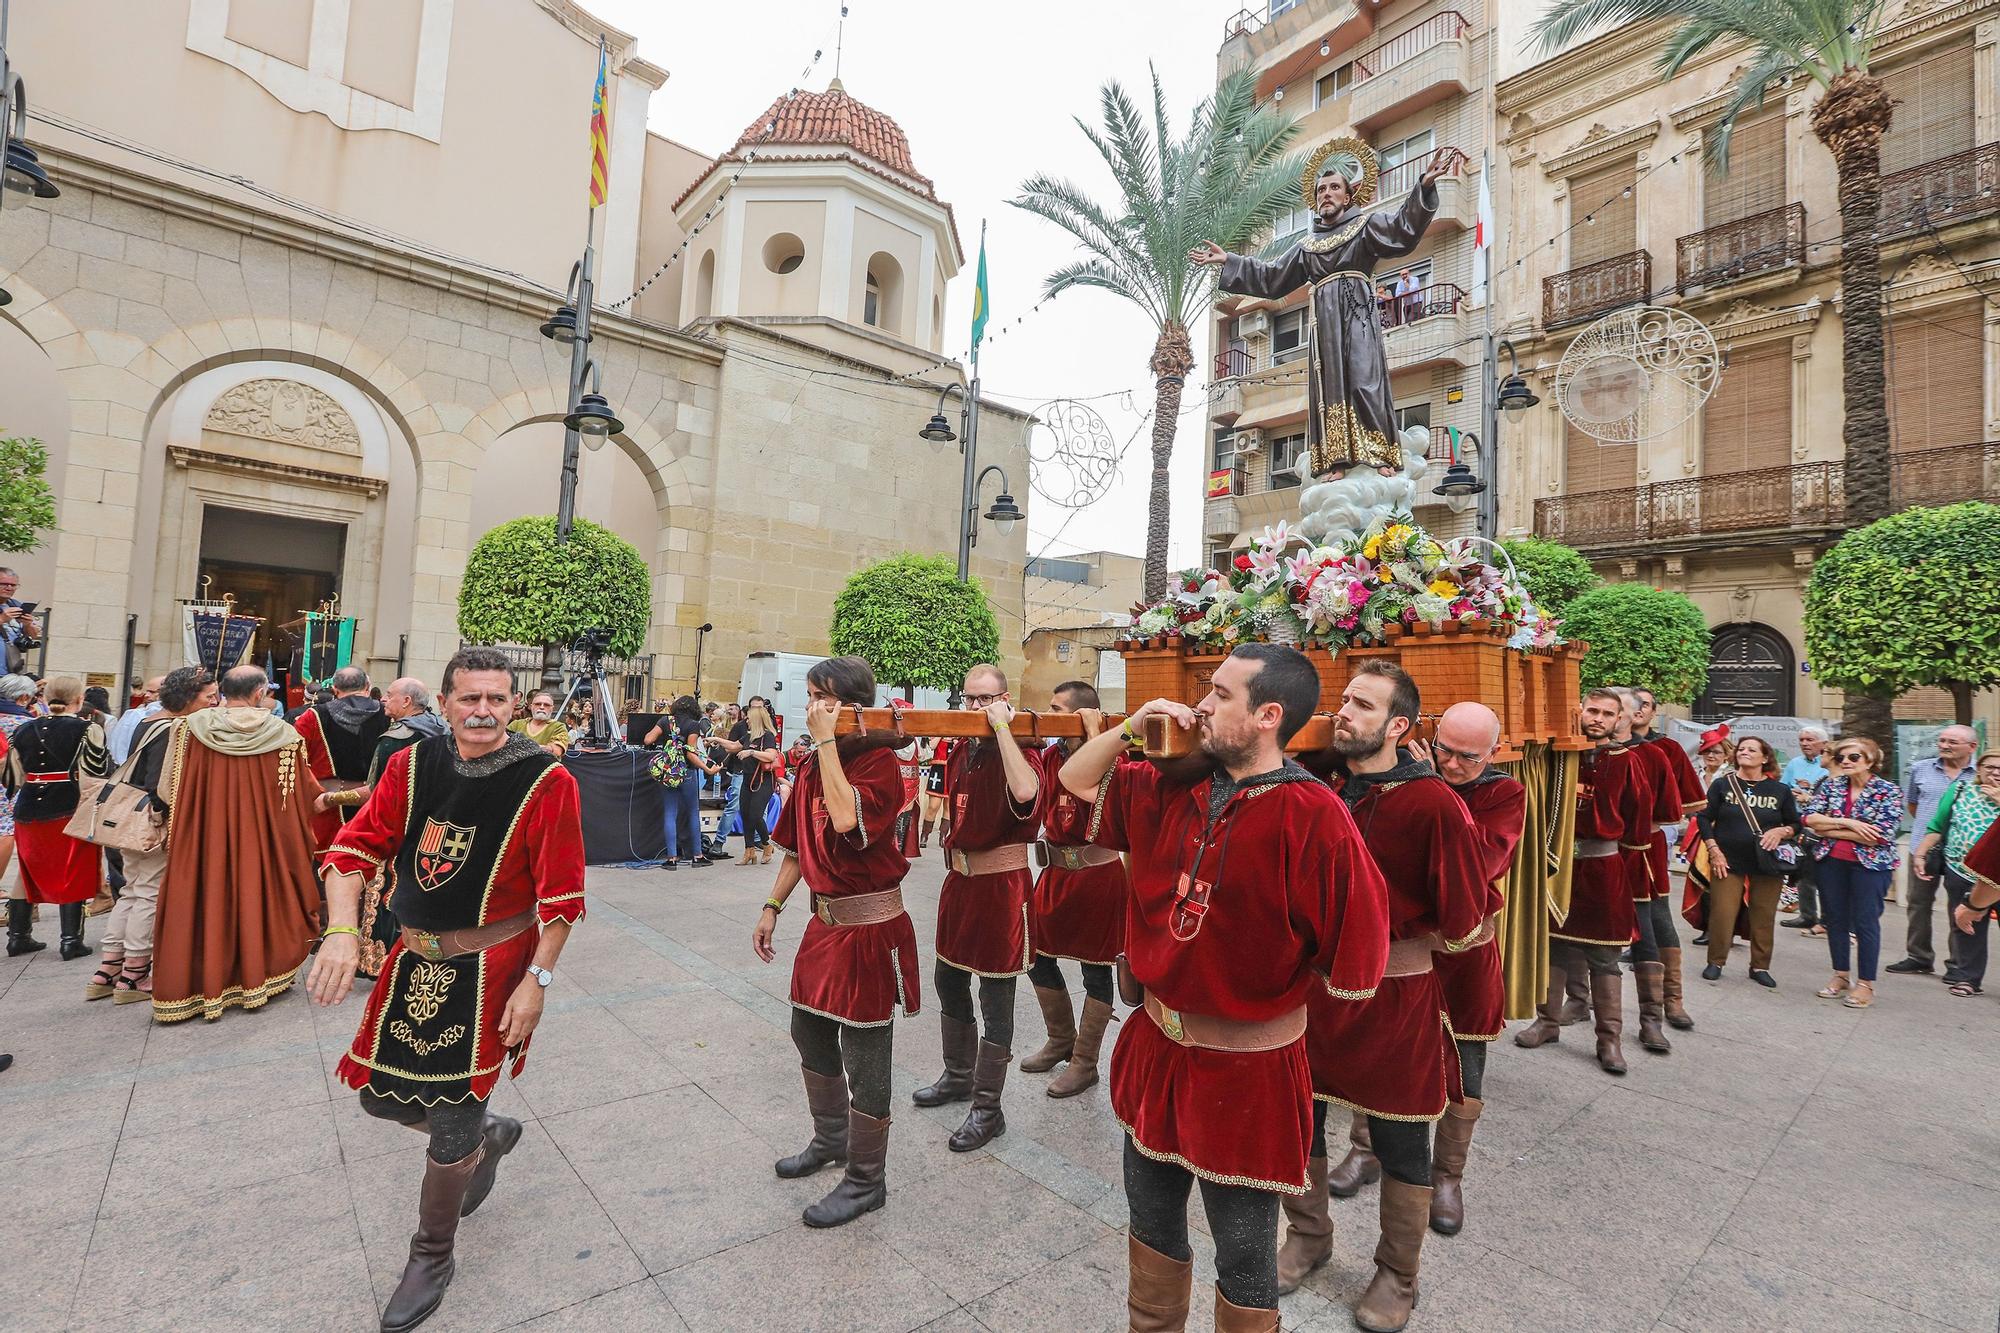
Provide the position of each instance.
(1963, 988)
(135, 986)
(1861, 996)
(103, 980)
(1817, 932)
(1834, 989)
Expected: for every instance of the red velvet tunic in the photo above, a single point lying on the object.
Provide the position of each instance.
(539, 868)
(1668, 807)
(1392, 1054)
(859, 975)
(1295, 907)
(1635, 849)
(326, 824)
(983, 919)
(1611, 806)
(1077, 914)
(1475, 993)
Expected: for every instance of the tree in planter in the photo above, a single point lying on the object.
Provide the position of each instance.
(1909, 601)
(1554, 574)
(522, 587)
(27, 505)
(1640, 636)
(913, 621)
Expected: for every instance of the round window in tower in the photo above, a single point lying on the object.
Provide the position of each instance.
(784, 252)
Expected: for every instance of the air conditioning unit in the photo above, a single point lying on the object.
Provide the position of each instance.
(1249, 442)
(1256, 324)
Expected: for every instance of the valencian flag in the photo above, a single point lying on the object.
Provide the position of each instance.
(599, 152)
(979, 301)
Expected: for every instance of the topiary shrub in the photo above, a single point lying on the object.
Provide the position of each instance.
(913, 621)
(1641, 636)
(1554, 574)
(521, 587)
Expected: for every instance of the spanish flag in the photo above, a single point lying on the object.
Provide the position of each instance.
(979, 303)
(599, 151)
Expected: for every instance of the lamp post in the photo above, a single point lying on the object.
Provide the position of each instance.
(1004, 513)
(1510, 395)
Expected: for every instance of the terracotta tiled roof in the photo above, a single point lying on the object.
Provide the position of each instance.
(828, 119)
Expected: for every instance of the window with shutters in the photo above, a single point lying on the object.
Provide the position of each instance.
(1609, 199)
(1288, 335)
(1589, 465)
(1755, 181)
(1933, 115)
(1747, 422)
(1934, 364)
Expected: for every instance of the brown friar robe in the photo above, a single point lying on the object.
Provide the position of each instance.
(239, 907)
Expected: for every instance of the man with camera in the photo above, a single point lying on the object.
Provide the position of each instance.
(19, 629)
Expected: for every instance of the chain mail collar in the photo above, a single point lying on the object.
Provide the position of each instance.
(516, 748)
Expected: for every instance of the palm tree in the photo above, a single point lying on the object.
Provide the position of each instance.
(1828, 41)
(1227, 179)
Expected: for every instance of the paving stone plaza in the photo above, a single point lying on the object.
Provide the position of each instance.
(1793, 1165)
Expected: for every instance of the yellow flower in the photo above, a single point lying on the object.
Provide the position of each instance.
(1444, 587)
(1384, 575)
(1374, 545)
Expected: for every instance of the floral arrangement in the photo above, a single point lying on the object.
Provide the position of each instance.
(1333, 596)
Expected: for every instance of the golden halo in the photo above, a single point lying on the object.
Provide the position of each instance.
(1351, 152)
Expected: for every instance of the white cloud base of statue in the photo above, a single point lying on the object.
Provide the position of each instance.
(1340, 510)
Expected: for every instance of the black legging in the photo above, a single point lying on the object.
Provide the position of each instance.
(1645, 949)
(755, 802)
(1402, 1146)
(996, 1001)
(1664, 934)
(1472, 1065)
(1047, 973)
(455, 1127)
(1244, 1222)
(828, 1046)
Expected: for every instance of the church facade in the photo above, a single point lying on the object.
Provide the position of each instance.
(279, 332)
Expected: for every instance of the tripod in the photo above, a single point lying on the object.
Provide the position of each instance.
(591, 684)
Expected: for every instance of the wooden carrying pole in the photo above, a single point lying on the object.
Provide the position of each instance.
(1163, 740)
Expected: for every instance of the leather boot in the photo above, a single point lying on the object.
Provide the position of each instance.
(430, 1268)
(865, 1187)
(1360, 1166)
(1157, 1289)
(1081, 1071)
(1061, 1022)
(1651, 980)
(1547, 1026)
(498, 1139)
(1392, 1293)
(1576, 999)
(21, 928)
(1454, 1137)
(1308, 1229)
(71, 944)
(1607, 997)
(826, 1098)
(955, 1083)
(985, 1122)
(1233, 1318)
(1677, 1014)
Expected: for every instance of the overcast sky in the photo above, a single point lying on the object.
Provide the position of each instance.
(987, 94)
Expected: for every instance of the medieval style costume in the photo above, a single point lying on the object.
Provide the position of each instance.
(486, 851)
(856, 966)
(1350, 417)
(20, 912)
(1613, 812)
(379, 927)
(1248, 897)
(46, 757)
(911, 768)
(1678, 793)
(340, 735)
(1078, 912)
(238, 907)
(983, 931)
(1391, 1057)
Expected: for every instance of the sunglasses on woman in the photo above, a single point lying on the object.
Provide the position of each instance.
(1850, 757)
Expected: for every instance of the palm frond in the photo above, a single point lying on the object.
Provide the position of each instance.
(1770, 67)
(1568, 20)
(1092, 273)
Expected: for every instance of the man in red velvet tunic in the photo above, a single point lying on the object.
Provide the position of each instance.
(340, 735)
(1391, 1057)
(982, 927)
(483, 829)
(1078, 912)
(857, 962)
(1612, 808)
(1251, 890)
(1679, 792)
(1649, 973)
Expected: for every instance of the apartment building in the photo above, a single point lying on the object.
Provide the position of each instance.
(1733, 505)
(1409, 78)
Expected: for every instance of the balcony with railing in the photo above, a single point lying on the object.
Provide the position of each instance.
(1761, 243)
(1584, 293)
(1411, 70)
(1276, 37)
(1457, 191)
(1774, 502)
(1942, 193)
(1427, 328)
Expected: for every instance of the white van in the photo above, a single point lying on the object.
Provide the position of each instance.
(781, 678)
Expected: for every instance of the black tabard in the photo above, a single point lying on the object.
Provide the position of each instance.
(351, 750)
(454, 835)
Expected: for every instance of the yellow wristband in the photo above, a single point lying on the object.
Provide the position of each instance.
(774, 905)
(1132, 740)
(331, 931)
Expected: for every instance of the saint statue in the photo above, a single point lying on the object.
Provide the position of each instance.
(1350, 418)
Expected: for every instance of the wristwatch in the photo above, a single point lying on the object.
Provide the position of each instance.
(541, 975)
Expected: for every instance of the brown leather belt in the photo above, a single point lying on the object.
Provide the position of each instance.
(1225, 1034)
(1592, 849)
(1410, 958)
(992, 861)
(437, 946)
(1058, 857)
(859, 909)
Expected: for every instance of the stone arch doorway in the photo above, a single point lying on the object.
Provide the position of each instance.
(1750, 674)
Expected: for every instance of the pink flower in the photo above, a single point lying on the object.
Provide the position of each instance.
(1357, 594)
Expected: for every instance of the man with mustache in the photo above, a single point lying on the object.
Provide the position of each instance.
(483, 830)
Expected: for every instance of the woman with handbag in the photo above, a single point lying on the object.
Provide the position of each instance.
(1855, 815)
(678, 768)
(1748, 828)
(47, 756)
(1963, 816)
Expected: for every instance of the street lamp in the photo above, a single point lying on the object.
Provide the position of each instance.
(1459, 485)
(1510, 395)
(1005, 513)
(20, 170)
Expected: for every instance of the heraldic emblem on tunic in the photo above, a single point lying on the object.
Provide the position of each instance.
(441, 850)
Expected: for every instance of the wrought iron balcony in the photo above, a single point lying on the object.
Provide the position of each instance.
(1759, 243)
(1411, 70)
(1943, 192)
(1785, 502)
(1232, 363)
(1595, 289)
(1448, 26)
